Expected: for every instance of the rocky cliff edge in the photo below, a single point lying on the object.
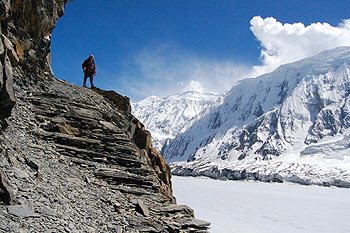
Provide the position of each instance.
(72, 159)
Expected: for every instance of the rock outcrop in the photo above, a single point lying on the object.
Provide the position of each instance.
(72, 159)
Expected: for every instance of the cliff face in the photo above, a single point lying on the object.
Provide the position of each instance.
(72, 159)
(26, 28)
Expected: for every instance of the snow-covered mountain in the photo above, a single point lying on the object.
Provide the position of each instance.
(291, 124)
(166, 117)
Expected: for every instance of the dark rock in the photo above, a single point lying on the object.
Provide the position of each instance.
(6, 191)
(7, 97)
(117, 176)
(142, 138)
(32, 164)
(141, 208)
(119, 101)
(10, 50)
(4, 9)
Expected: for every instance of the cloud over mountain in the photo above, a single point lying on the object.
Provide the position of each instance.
(285, 43)
(170, 69)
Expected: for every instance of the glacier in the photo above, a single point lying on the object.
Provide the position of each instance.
(234, 206)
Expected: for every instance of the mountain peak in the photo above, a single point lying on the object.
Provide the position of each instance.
(281, 116)
(168, 116)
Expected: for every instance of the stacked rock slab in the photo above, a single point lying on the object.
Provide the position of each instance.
(72, 159)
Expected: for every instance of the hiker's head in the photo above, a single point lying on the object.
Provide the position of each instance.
(91, 57)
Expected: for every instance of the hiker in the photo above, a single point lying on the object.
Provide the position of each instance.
(89, 68)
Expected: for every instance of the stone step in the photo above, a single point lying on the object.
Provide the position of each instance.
(123, 159)
(119, 177)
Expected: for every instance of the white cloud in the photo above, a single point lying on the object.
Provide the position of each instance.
(164, 69)
(193, 85)
(285, 43)
(167, 70)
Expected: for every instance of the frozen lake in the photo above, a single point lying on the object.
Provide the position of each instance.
(252, 207)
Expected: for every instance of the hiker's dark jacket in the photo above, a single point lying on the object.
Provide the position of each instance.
(90, 66)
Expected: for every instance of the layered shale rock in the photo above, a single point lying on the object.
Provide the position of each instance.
(72, 159)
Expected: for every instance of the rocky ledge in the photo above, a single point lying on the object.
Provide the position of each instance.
(73, 159)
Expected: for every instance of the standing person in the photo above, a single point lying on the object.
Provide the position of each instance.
(89, 68)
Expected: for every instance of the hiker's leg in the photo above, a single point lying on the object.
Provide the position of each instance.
(92, 81)
(85, 77)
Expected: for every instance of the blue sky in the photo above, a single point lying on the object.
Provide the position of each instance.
(162, 47)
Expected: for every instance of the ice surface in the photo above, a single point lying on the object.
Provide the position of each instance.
(253, 207)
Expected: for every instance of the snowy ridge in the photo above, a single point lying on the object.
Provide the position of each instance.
(291, 124)
(166, 117)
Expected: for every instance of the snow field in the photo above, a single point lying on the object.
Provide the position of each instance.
(254, 207)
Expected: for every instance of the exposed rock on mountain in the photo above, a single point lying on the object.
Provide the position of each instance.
(72, 159)
(291, 124)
